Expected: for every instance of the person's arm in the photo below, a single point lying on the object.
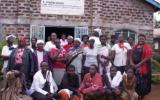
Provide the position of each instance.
(83, 60)
(3, 55)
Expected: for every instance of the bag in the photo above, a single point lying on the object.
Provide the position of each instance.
(47, 84)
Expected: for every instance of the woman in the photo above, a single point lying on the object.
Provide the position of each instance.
(39, 54)
(50, 44)
(92, 81)
(113, 83)
(70, 43)
(58, 57)
(63, 40)
(21, 59)
(140, 59)
(43, 86)
(120, 54)
(89, 56)
(76, 56)
(103, 56)
(129, 83)
(85, 39)
(6, 52)
(14, 88)
(70, 82)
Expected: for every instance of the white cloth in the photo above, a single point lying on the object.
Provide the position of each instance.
(104, 50)
(49, 45)
(77, 62)
(39, 82)
(97, 42)
(11, 35)
(58, 74)
(117, 79)
(39, 58)
(39, 41)
(63, 42)
(6, 52)
(120, 54)
(91, 56)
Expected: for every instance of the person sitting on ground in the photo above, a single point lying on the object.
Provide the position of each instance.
(129, 84)
(13, 89)
(113, 83)
(43, 86)
(92, 81)
(70, 82)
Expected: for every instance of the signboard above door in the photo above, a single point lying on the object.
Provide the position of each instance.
(62, 7)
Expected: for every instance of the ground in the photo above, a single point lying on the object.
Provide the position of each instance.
(154, 95)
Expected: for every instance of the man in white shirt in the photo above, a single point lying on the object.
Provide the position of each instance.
(6, 51)
(96, 33)
(43, 86)
(50, 44)
(120, 53)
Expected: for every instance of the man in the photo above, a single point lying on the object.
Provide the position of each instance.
(50, 44)
(95, 36)
(33, 44)
(6, 51)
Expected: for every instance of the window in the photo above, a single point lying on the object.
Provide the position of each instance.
(126, 33)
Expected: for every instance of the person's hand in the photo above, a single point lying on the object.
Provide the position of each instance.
(49, 96)
(117, 91)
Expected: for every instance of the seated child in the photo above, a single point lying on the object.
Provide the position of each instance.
(129, 83)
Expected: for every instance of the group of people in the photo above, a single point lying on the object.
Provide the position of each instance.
(75, 69)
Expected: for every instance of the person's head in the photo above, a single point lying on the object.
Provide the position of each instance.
(130, 72)
(113, 38)
(21, 41)
(33, 41)
(77, 42)
(141, 39)
(93, 69)
(10, 39)
(53, 36)
(57, 43)
(44, 66)
(103, 39)
(70, 70)
(130, 40)
(70, 39)
(113, 71)
(40, 45)
(85, 38)
(63, 36)
(91, 42)
(97, 32)
(120, 38)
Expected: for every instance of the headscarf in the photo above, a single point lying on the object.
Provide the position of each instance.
(77, 39)
(98, 30)
(39, 41)
(11, 35)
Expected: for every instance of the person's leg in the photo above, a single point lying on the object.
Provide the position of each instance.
(58, 75)
(38, 96)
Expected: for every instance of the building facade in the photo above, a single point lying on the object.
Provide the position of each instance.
(129, 17)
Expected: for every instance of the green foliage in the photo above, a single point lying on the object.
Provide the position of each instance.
(155, 79)
(2, 43)
(156, 63)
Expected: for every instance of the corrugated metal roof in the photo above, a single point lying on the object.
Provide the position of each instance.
(155, 3)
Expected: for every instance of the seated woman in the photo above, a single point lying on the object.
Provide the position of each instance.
(129, 83)
(43, 86)
(14, 87)
(92, 81)
(70, 82)
(113, 83)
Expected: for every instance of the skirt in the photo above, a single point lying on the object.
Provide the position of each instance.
(58, 74)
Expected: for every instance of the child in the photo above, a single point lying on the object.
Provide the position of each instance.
(129, 83)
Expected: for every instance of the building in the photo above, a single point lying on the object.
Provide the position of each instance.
(129, 17)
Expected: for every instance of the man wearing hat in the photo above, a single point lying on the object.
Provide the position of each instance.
(6, 51)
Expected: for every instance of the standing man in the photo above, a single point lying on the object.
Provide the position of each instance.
(50, 44)
(6, 51)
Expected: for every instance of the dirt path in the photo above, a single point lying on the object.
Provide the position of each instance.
(155, 93)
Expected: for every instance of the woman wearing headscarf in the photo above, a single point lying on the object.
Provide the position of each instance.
(21, 59)
(140, 59)
(13, 89)
(6, 51)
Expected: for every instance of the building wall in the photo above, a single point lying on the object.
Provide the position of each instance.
(16, 16)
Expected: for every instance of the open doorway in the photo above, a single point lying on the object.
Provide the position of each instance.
(59, 31)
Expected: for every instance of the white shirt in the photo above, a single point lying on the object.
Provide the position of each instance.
(49, 45)
(63, 42)
(97, 42)
(6, 52)
(120, 54)
(104, 50)
(39, 58)
(39, 81)
(91, 56)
